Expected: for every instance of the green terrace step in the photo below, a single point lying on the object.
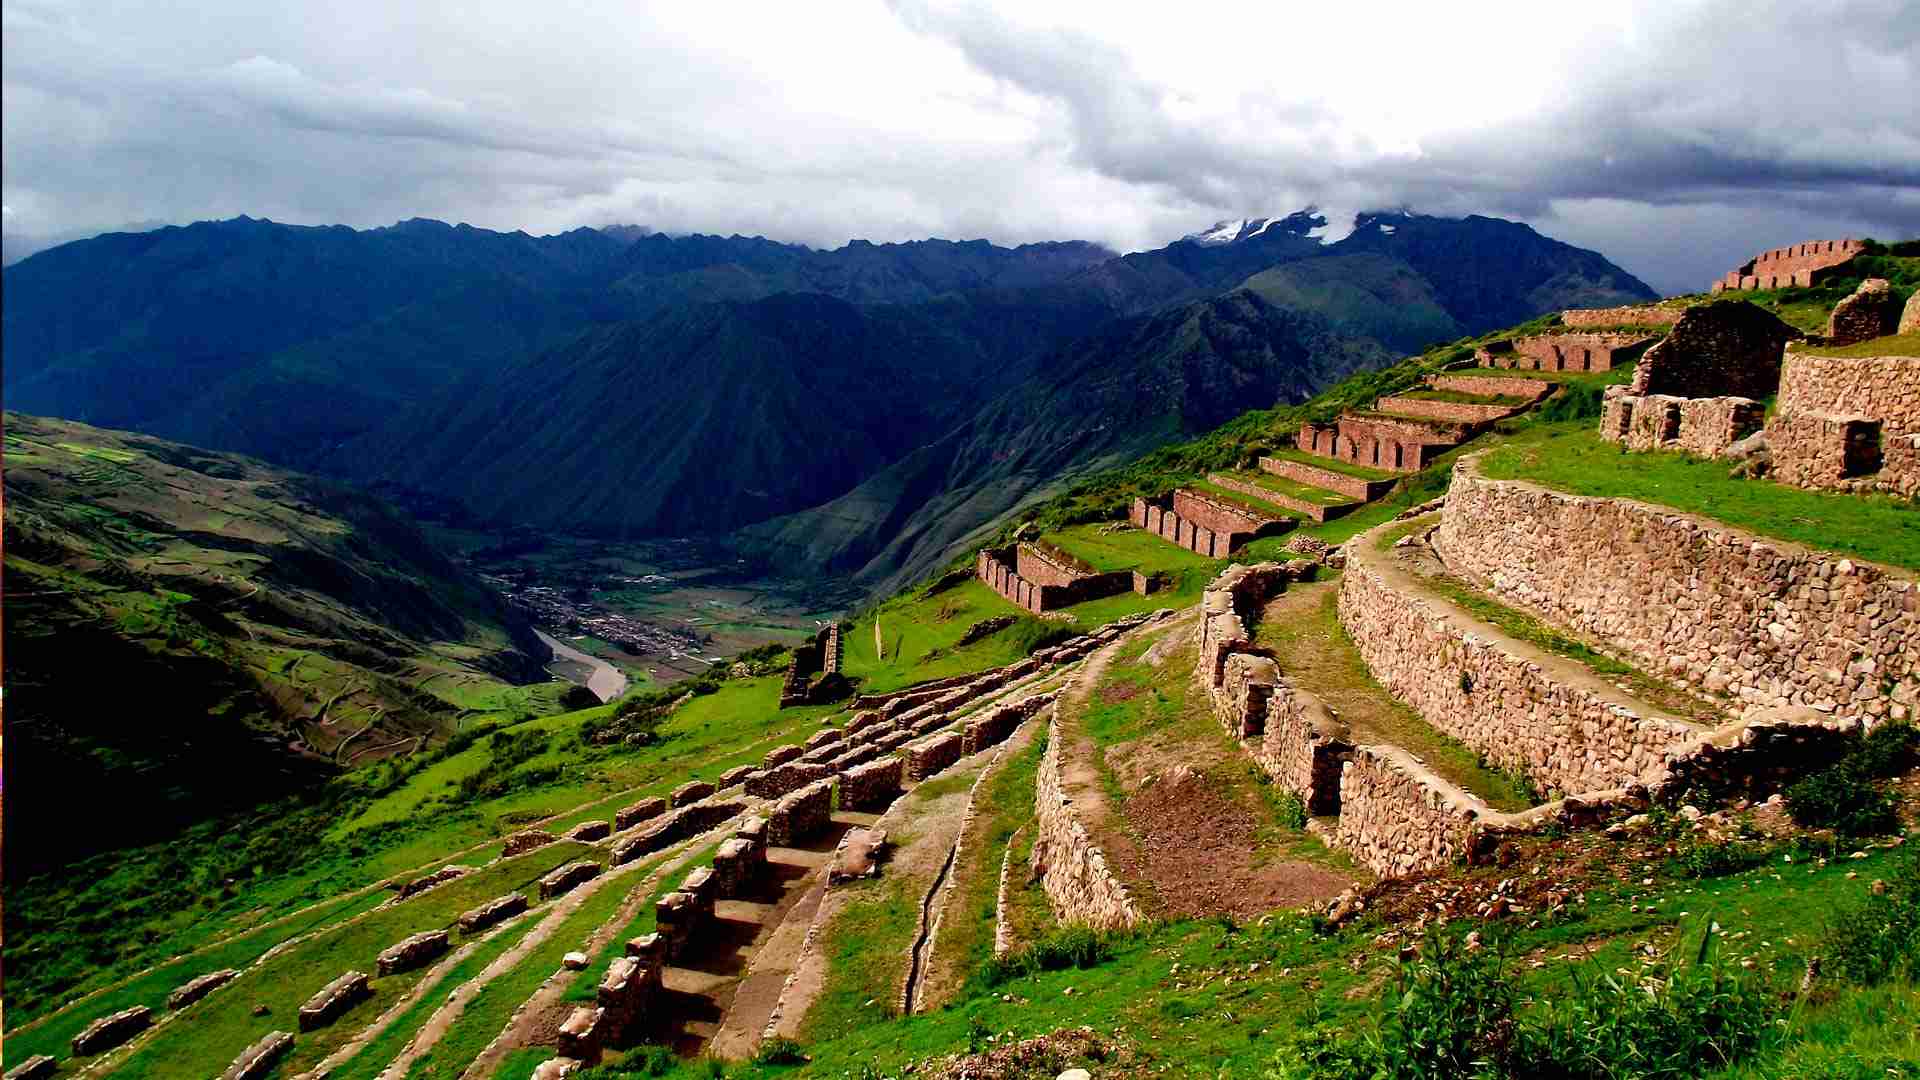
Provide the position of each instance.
(1335, 476)
(1262, 504)
(1495, 386)
(1317, 503)
(1451, 405)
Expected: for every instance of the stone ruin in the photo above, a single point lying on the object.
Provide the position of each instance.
(522, 842)
(1634, 315)
(674, 827)
(37, 1067)
(257, 1060)
(1396, 444)
(110, 1031)
(625, 994)
(567, 878)
(1041, 578)
(1589, 351)
(411, 952)
(644, 810)
(932, 754)
(1205, 525)
(588, 831)
(689, 793)
(1354, 487)
(733, 777)
(493, 911)
(1708, 426)
(1848, 424)
(738, 864)
(336, 997)
(800, 814)
(872, 785)
(1870, 311)
(1910, 315)
(1728, 347)
(686, 911)
(580, 1037)
(775, 782)
(1802, 265)
(438, 877)
(200, 986)
(813, 675)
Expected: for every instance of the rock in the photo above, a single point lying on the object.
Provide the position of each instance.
(574, 961)
(1075, 1074)
(1910, 315)
(1872, 311)
(1878, 888)
(1755, 443)
(261, 1010)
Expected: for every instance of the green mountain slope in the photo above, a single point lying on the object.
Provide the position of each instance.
(188, 631)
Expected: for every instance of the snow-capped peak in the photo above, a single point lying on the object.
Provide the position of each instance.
(1226, 232)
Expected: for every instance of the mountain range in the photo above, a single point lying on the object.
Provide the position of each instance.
(853, 411)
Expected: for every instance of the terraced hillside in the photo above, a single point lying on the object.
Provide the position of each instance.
(1561, 748)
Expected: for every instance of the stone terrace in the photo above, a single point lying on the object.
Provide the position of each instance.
(1800, 265)
(1206, 525)
(1588, 351)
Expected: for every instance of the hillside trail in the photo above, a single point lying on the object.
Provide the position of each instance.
(444, 1017)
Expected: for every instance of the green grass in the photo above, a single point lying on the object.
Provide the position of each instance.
(1282, 486)
(1892, 345)
(1245, 502)
(1292, 453)
(1462, 398)
(1610, 377)
(223, 1024)
(1572, 457)
(1003, 804)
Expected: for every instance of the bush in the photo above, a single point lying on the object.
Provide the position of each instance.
(779, 1051)
(1575, 401)
(1700, 857)
(1847, 795)
(1879, 938)
(1067, 947)
(1666, 1024)
(1291, 810)
(648, 1060)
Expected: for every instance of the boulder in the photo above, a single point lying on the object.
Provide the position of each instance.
(1910, 315)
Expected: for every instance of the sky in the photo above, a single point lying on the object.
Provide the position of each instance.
(1679, 138)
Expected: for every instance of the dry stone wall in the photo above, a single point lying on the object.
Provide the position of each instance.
(1377, 442)
(1313, 511)
(412, 952)
(1725, 348)
(1562, 733)
(1638, 315)
(870, 786)
(110, 1031)
(1314, 476)
(493, 911)
(1465, 412)
(1704, 426)
(1760, 622)
(195, 989)
(1397, 817)
(1873, 310)
(567, 877)
(333, 999)
(256, 1060)
(644, 810)
(1601, 351)
(1848, 423)
(1072, 870)
(800, 814)
(1800, 265)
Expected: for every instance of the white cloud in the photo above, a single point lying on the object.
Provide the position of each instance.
(1613, 126)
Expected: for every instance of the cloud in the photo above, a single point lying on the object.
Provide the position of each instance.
(1678, 137)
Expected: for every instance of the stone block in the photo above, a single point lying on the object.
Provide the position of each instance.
(110, 1031)
(200, 986)
(690, 792)
(588, 831)
(580, 1035)
(644, 810)
(257, 1060)
(333, 999)
(567, 878)
(522, 842)
(493, 911)
(412, 952)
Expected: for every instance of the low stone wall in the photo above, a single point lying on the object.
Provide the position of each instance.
(567, 877)
(1530, 390)
(1080, 885)
(333, 999)
(859, 755)
(780, 755)
(196, 988)
(1800, 265)
(438, 877)
(675, 827)
(1565, 352)
(1637, 315)
(1562, 734)
(1314, 476)
(995, 724)
(931, 754)
(870, 786)
(690, 792)
(493, 911)
(589, 831)
(1398, 818)
(773, 783)
(1704, 426)
(1761, 622)
(522, 842)
(644, 810)
(256, 1060)
(411, 952)
(1465, 412)
(1303, 747)
(1316, 512)
(800, 814)
(1848, 423)
(110, 1031)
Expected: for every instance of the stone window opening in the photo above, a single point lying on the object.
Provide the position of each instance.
(1864, 449)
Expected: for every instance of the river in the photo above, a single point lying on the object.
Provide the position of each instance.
(607, 682)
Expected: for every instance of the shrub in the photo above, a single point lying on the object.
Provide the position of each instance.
(1847, 796)
(1672, 1022)
(1701, 857)
(1575, 401)
(779, 1051)
(1067, 947)
(648, 1060)
(1291, 810)
(1879, 937)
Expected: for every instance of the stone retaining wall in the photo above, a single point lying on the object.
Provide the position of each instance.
(1397, 817)
(522, 842)
(995, 724)
(1317, 512)
(931, 754)
(1848, 423)
(1300, 472)
(1465, 412)
(1704, 426)
(1400, 446)
(1638, 315)
(1303, 747)
(773, 783)
(567, 877)
(1491, 385)
(1761, 622)
(1560, 734)
(1074, 872)
(800, 814)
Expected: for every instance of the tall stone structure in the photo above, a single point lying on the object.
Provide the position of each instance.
(1872, 311)
(1800, 265)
